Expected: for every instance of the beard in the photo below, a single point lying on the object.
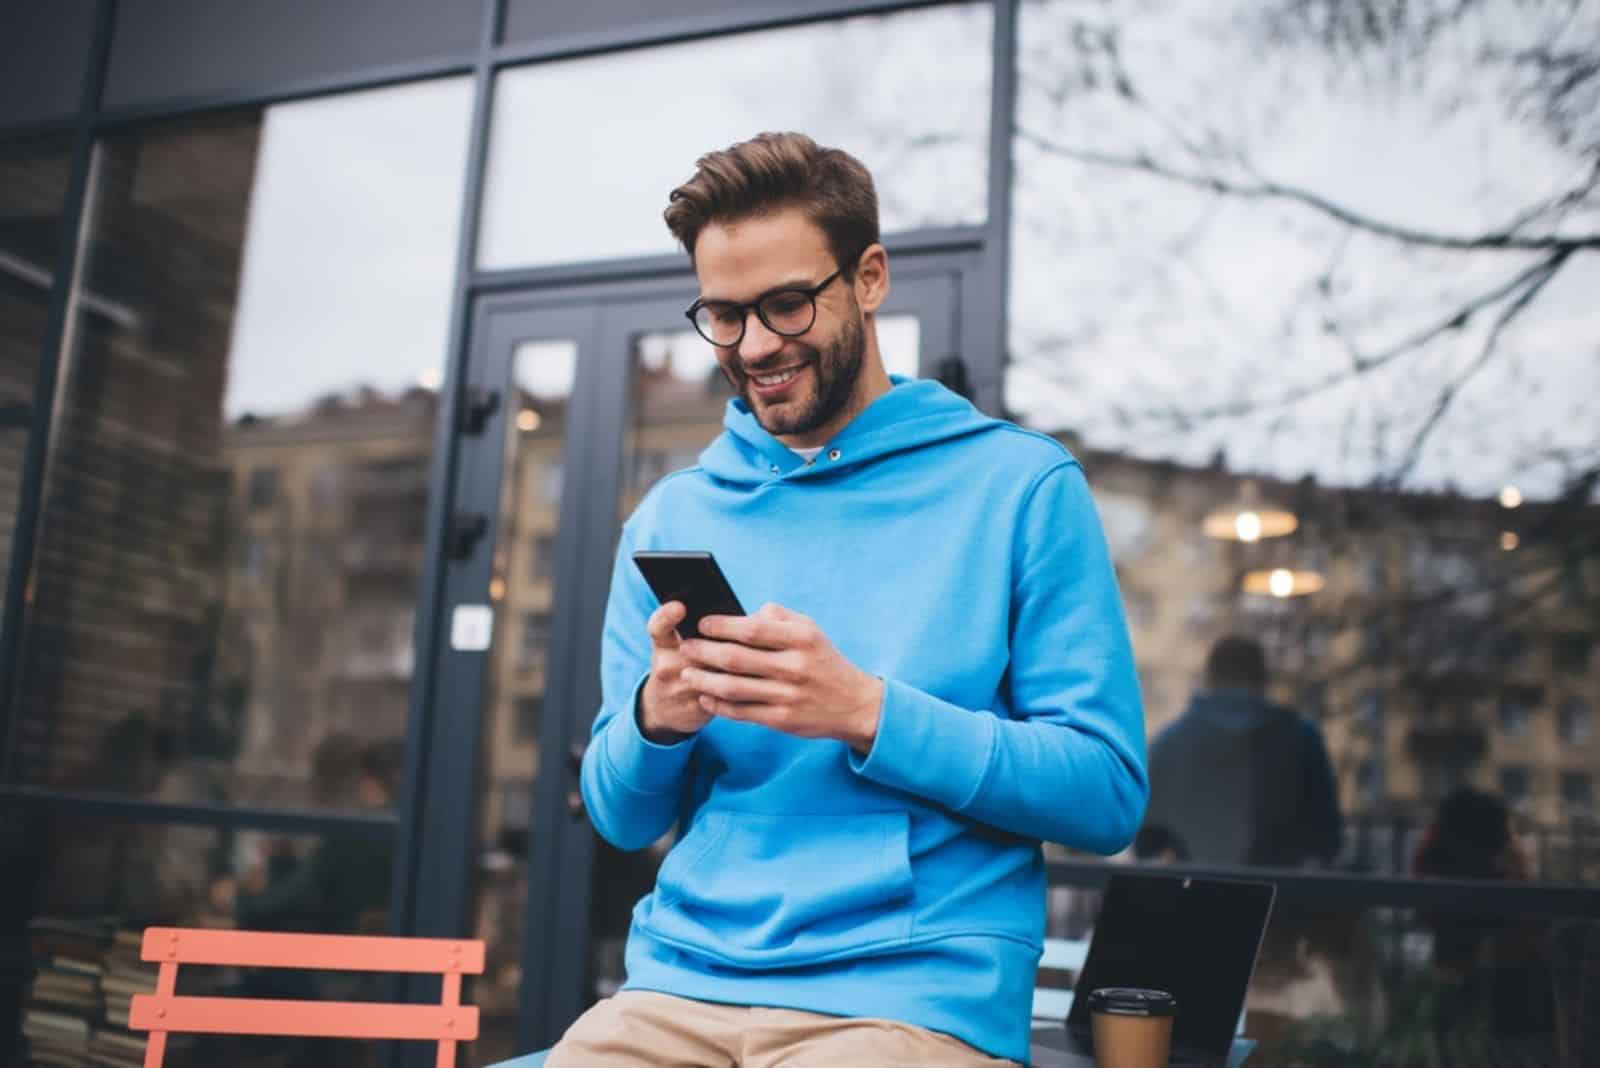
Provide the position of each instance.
(836, 370)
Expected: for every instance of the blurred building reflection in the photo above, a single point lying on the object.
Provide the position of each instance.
(315, 638)
(126, 584)
(1433, 657)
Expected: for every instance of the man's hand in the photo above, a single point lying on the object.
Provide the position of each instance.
(778, 669)
(669, 708)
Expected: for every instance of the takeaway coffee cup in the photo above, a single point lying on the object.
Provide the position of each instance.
(1132, 1026)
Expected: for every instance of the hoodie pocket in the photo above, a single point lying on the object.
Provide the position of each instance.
(761, 890)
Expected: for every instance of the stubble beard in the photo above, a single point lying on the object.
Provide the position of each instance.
(837, 372)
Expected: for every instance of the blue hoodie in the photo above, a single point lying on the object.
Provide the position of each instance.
(959, 558)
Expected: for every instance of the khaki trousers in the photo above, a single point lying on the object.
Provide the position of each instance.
(642, 1029)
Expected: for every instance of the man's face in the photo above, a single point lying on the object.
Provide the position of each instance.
(817, 372)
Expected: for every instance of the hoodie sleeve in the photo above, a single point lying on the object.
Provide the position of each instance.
(1068, 766)
(631, 786)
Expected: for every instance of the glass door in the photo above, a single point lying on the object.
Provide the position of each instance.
(587, 401)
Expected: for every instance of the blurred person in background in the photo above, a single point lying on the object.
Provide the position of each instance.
(341, 886)
(1494, 965)
(1238, 779)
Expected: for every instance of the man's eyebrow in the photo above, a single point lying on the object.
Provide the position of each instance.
(803, 281)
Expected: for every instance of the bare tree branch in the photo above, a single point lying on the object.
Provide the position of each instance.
(1503, 239)
(1547, 270)
(1361, 364)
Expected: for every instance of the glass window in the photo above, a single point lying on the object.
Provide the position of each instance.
(1369, 781)
(535, 637)
(1318, 288)
(1577, 790)
(33, 189)
(81, 891)
(541, 557)
(263, 488)
(1516, 718)
(542, 375)
(1514, 783)
(1576, 723)
(908, 93)
(530, 717)
(263, 297)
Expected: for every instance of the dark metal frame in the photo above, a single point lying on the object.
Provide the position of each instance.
(113, 807)
(1336, 890)
(33, 463)
(436, 769)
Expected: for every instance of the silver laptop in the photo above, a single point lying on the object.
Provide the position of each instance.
(1195, 938)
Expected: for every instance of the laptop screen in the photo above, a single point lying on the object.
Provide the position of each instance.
(1197, 939)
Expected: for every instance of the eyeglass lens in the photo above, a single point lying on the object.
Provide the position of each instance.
(786, 312)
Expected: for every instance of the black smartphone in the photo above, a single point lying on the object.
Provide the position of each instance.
(693, 578)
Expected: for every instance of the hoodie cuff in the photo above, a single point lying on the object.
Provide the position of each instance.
(638, 763)
(928, 747)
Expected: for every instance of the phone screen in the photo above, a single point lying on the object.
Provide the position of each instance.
(693, 578)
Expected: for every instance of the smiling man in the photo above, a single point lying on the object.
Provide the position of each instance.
(939, 677)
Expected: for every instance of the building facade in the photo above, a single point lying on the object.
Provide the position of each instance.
(337, 340)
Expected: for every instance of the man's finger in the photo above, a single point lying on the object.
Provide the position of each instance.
(740, 688)
(732, 657)
(761, 632)
(745, 713)
(662, 622)
(772, 716)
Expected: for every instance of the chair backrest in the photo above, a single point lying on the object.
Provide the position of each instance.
(164, 1012)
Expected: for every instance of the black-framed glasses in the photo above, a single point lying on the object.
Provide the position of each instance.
(787, 311)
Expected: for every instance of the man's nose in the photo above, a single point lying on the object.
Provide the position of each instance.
(758, 342)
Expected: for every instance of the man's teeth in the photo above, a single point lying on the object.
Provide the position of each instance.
(777, 379)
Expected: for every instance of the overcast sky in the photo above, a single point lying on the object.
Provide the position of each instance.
(349, 258)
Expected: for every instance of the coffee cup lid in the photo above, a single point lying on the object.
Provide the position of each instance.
(1133, 1001)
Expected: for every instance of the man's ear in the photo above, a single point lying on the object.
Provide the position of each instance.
(872, 278)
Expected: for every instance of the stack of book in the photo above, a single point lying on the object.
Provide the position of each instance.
(63, 1003)
(112, 1045)
(118, 1049)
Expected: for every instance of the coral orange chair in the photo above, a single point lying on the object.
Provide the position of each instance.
(164, 1012)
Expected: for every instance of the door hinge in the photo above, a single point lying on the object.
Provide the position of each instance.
(478, 403)
(952, 374)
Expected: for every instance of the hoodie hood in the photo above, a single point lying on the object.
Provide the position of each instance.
(1232, 709)
(914, 413)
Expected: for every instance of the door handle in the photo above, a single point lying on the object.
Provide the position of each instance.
(466, 530)
(575, 808)
(477, 405)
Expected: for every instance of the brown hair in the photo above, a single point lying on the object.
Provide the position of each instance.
(773, 171)
(1237, 661)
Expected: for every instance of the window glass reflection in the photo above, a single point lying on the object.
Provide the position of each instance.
(33, 189)
(557, 193)
(1310, 295)
(232, 530)
(522, 591)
